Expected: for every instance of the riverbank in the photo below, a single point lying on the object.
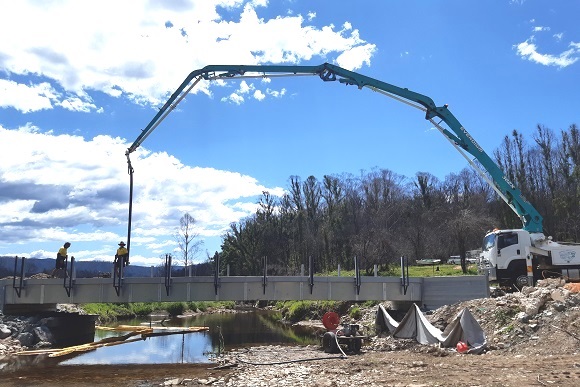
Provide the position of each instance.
(533, 339)
(417, 367)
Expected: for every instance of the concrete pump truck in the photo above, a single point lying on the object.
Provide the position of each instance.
(516, 257)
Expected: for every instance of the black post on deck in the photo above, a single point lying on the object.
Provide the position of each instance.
(118, 276)
(130, 171)
(404, 273)
(265, 274)
(311, 272)
(167, 273)
(68, 287)
(356, 275)
(216, 273)
(18, 288)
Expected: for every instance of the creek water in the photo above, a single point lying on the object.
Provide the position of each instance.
(226, 331)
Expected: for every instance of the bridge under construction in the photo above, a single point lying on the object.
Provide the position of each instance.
(20, 294)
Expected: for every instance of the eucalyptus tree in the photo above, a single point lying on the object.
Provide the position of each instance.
(467, 217)
(424, 215)
(568, 207)
(382, 193)
(187, 240)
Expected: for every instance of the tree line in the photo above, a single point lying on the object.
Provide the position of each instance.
(379, 216)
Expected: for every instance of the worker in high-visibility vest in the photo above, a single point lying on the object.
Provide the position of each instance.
(121, 257)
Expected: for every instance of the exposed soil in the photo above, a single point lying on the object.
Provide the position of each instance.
(410, 367)
(533, 340)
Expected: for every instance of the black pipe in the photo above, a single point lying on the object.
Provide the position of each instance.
(130, 170)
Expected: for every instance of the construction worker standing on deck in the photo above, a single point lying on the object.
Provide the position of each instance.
(121, 258)
(61, 257)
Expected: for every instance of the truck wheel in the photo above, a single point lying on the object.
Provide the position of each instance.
(329, 342)
(521, 281)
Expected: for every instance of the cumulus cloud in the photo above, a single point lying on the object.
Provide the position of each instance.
(27, 98)
(146, 48)
(82, 194)
(529, 49)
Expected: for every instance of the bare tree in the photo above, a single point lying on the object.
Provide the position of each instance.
(187, 241)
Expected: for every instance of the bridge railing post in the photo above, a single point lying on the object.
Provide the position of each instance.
(216, 274)
(167, 273)
(404, 273)
(311, 272)
(357, 275)
(118, 274)
(18, 288)
(265, 276)
(71, 276)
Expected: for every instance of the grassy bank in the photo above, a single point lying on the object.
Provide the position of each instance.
(294, 311)
(414, 271)
(112, 312)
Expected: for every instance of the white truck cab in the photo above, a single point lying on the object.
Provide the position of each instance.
(504, 252)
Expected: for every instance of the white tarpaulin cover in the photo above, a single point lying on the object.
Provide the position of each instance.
(416, 326)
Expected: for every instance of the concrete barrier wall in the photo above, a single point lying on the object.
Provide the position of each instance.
(439, 291)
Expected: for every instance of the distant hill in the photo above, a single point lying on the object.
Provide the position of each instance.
(91, 269)
(84, 269)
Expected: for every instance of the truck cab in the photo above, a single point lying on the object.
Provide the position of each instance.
(503, 256)
(504, 252)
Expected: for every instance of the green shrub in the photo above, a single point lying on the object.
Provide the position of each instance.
(355, 313)
(299, 310)
(142, 308)
(175, 308)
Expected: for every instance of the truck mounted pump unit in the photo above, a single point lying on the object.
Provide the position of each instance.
(517, 256)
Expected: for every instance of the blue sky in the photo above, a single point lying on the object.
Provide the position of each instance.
(80, 80)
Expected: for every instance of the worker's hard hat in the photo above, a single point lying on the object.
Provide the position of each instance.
(121, 243)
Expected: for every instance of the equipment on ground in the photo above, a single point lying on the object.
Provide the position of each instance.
(348, 335)
(529, 253)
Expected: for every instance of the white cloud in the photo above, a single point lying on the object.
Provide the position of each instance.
(259, 95)
(528, 50)
(245, 88)
(26, 98)
(354, 58)
(78, 105)
(142, 49)
(539, 29)
(559, 36)
(81, 195)
(276, 93)
(235, 98)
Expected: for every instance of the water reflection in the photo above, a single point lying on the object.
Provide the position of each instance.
(226, 331)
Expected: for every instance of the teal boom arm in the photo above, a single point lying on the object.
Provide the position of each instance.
(457, 134)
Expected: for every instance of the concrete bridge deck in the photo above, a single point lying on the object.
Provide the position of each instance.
(428, 292)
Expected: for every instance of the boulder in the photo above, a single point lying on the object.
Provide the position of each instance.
(4, 331)
(42, 333)
(26, 339)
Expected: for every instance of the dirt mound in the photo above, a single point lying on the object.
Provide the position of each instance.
(544, 319)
